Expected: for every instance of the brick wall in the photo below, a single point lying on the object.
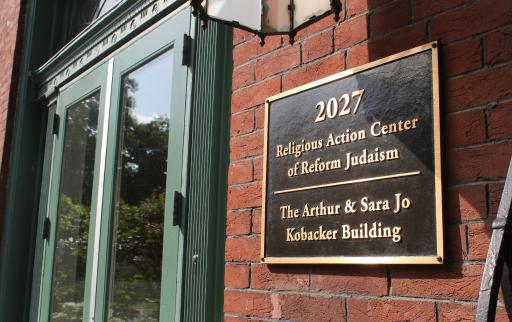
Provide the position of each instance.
(9, 21)
(476, 105)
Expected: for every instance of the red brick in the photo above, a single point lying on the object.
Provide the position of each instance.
(255, 94)
(308, 73)
(242, 249)
(247, 303)
(268, 277)
(390, 310)
(245, 52)
(488, 161)
(467, 203)
(353, 280)
(256, 221)
(324, 23)
(246, 145)
(495, 194)
(244, 196)
(475, 18)
(236, 276)
(390, 44)
(478, 88)
(456, 312)
(240, 35)
(426, 8)
(235, 319)
(252, 48)
(259, 117)
(307, 308)
(499, 121)
(277, 62)
(456, 243)
(258, 168)
(498, 46)
(446, 281)
(240, 172)
(242, 123)
(465, 312)
(238, 222)
(351, 32)
(317, 46)
(461, 57)
(479, 238)
(466, 128)
(243, 75)
(355, 7)
(390, 17)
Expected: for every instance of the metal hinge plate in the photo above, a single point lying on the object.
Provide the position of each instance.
(46, 228)
(187, 50)
(176, 214)
(56, 124)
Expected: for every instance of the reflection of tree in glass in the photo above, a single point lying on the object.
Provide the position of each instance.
(67, 294)
(74, 210)
(135, 294)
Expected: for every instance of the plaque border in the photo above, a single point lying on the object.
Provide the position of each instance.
(439, 257)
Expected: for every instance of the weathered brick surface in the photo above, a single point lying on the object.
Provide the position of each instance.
(476, 112)
(318, 46)
(247, 303)
(307, 308)
(462, 57)
(236, 276)
(479, 238)
(498, 121)
(465, 312)
(243, 249)
(348, 280)
(279, 278)
(447, 281)
(238, 222)
(9, 54)
(467, 203)
(390, 17)
(468, 127)
(390, 310)
(455, 243)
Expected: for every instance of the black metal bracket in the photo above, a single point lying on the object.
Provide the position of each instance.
(336, 9)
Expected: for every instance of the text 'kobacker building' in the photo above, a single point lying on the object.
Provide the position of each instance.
(222, 160)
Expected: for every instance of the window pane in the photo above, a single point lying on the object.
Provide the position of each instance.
(74, 210)
(140, 196)
(83, 12)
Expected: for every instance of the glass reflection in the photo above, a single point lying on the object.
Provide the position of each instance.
(140, 197)
(74, 210)
(83, 12)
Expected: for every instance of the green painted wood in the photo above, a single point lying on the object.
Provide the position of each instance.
(43, 203)
(25, 167)
(167, 36)
(84, 87)
(207, 166)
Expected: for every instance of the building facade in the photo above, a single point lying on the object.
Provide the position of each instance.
(131, 165)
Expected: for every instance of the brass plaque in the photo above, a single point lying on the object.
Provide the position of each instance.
(352, 167)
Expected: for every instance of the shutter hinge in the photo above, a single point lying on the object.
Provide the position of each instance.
(187, 50)
(46, 228)
(56, 124)
(176, 214)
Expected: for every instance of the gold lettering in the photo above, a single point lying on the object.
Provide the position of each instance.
(378, 129)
